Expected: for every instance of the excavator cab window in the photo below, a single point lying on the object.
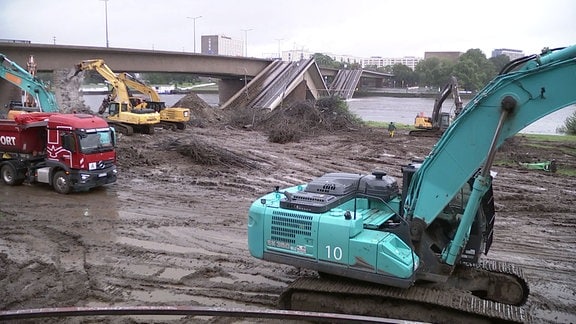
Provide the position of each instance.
(113, 109)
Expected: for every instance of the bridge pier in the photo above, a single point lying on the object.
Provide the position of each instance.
(228, 88)
(299, 93)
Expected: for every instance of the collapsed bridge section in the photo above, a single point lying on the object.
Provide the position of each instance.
(279, 83)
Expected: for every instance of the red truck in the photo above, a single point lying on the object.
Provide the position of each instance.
(70, 152)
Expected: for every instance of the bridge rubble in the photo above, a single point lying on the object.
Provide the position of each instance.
(279, 83)
(345, 83)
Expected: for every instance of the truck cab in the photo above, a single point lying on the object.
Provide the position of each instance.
(70, 152)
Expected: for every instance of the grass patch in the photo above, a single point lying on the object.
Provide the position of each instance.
(564, 149)
(566, 172)
(571, 172)
(505, 163)
(550, 138)
(377, 124)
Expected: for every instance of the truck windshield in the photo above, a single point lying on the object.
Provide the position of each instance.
(96, 141)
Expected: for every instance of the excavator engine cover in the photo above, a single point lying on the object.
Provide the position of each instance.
(333, 189)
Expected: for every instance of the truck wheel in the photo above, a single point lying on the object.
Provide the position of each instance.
(10, 175)
(181, 126)
(61, 182)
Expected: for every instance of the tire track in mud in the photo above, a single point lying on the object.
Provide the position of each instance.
(192, 245)
(172, 232)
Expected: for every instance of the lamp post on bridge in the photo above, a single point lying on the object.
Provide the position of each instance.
(246, 40)
(194, 29)
(106, 17)
(279, 51)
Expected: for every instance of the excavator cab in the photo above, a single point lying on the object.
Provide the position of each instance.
(114, 108)
(445, 121)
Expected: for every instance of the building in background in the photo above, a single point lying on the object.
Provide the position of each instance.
(346, 59)
(409, 61)
(296, 55)
(221, 45)
(511, 53)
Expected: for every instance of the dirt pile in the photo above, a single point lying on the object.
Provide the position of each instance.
(202, 113)
(67, 92)
(295, 121)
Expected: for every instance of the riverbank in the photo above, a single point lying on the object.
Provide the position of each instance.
(403, 93)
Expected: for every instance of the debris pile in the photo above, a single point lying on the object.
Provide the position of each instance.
(201, 112)
(293, 122)
(201, 152)
(67, 92)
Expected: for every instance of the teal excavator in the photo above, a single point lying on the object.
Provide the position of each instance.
(414, 252)
(36, 96)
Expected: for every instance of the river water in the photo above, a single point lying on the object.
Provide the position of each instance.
(384, 109)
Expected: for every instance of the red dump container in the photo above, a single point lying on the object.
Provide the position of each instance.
(22, 138)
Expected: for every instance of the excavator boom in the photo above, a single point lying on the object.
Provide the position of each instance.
(131, 82)
(121, 112)
(34, 88)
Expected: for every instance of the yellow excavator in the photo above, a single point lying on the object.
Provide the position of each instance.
(170, 117)
(122, 111)
(436, 125)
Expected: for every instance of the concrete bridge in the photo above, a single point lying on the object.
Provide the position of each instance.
(235, 73)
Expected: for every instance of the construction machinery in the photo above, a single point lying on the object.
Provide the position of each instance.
(70, 152)
(439, 121)
(170, 117)
(35, 94)
(414, 252)
(122, 113)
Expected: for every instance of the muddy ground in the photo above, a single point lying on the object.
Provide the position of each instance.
(172, 231)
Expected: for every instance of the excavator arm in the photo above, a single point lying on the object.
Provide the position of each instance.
(33, 86)
(450, 88)
(509, 103)
(435, 125)
(133, 83)
(120, 93)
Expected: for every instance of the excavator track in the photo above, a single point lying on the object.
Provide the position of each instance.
(436, 133)
(121, 127)
(506, 282)
(438, 304)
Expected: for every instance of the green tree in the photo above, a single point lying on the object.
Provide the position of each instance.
(371, 68)
(474, 70)
(434, 72)
(386, 69)
(499, 62)
(326, 61)
(569, 125)
(404, 75)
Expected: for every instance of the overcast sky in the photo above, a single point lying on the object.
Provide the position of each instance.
(357, 27)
